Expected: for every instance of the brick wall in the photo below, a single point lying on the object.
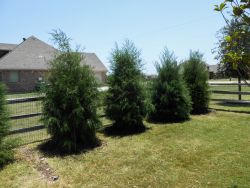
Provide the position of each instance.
(27, 80)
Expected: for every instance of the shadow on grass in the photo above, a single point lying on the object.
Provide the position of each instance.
(51, 148)
(167, 122)
(226, 104)
(202, 112)
(121, 131)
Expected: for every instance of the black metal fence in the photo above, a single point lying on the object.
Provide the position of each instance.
(25, 119)
(25, 115)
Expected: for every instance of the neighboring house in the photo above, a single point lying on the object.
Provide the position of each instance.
(23, 65)
(213, 70)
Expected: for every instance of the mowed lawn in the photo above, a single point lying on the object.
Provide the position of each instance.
(208, 151)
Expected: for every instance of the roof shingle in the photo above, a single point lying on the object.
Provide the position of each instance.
(7, 47)
(34, 54)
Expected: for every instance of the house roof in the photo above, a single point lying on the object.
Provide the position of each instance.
(7, 47)
(34, 54)
(93, 61)
(213, 68)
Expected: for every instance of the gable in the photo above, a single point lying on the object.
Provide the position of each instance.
(34, 54)
(31, 54)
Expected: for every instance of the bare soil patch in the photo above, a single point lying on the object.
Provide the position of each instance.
(38, 162)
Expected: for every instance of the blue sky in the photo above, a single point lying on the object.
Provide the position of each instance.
(97, 24)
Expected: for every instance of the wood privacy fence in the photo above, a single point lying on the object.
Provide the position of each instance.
(239, 93)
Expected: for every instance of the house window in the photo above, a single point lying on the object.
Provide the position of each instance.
(1, 77)
(14, 76)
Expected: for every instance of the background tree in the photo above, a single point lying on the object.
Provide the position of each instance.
(237, 55)
(224, 49)
(125, 102)
(170, 96)
(239, 10)
(6, 153)
(196, 76)
(70, 105)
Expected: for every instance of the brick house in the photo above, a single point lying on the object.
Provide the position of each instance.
(23, 65)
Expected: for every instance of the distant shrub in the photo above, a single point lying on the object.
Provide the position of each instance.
(125, 102)
(70, 105)
(170, 97)
(6, 153)
(40, 85)
(196, 76)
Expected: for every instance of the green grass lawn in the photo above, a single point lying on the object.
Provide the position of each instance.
(21, 95)
(208, 151)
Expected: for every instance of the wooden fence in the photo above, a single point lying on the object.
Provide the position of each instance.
(239, 93)
(24, 115)
(24, 123)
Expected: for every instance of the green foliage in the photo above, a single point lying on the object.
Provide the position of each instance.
(196, 76)
(4, 126)
(170, 96)
(40, 85)
(6, 153)
(70, 105)
(233, 50)
(235, 53)
(126, 98)
(240, 10)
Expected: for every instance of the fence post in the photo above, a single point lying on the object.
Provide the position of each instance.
(239, 87)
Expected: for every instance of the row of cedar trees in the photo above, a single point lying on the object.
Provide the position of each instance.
(71, 102)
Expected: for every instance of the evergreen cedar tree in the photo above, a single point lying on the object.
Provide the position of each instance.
(6, 153)
(196, 76)
(125, 101)
(170, 96)
(70, 105)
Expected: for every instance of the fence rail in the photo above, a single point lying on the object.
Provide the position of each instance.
(232, 101)
(28, 129)
(239, 93)
(25, 99)
(25, 116)
(231, 92)
(227, 84)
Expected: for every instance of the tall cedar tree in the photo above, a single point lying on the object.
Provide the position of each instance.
(195, 74)
(6, 153)
(125, 102)
(70, 105)
(170, 97)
